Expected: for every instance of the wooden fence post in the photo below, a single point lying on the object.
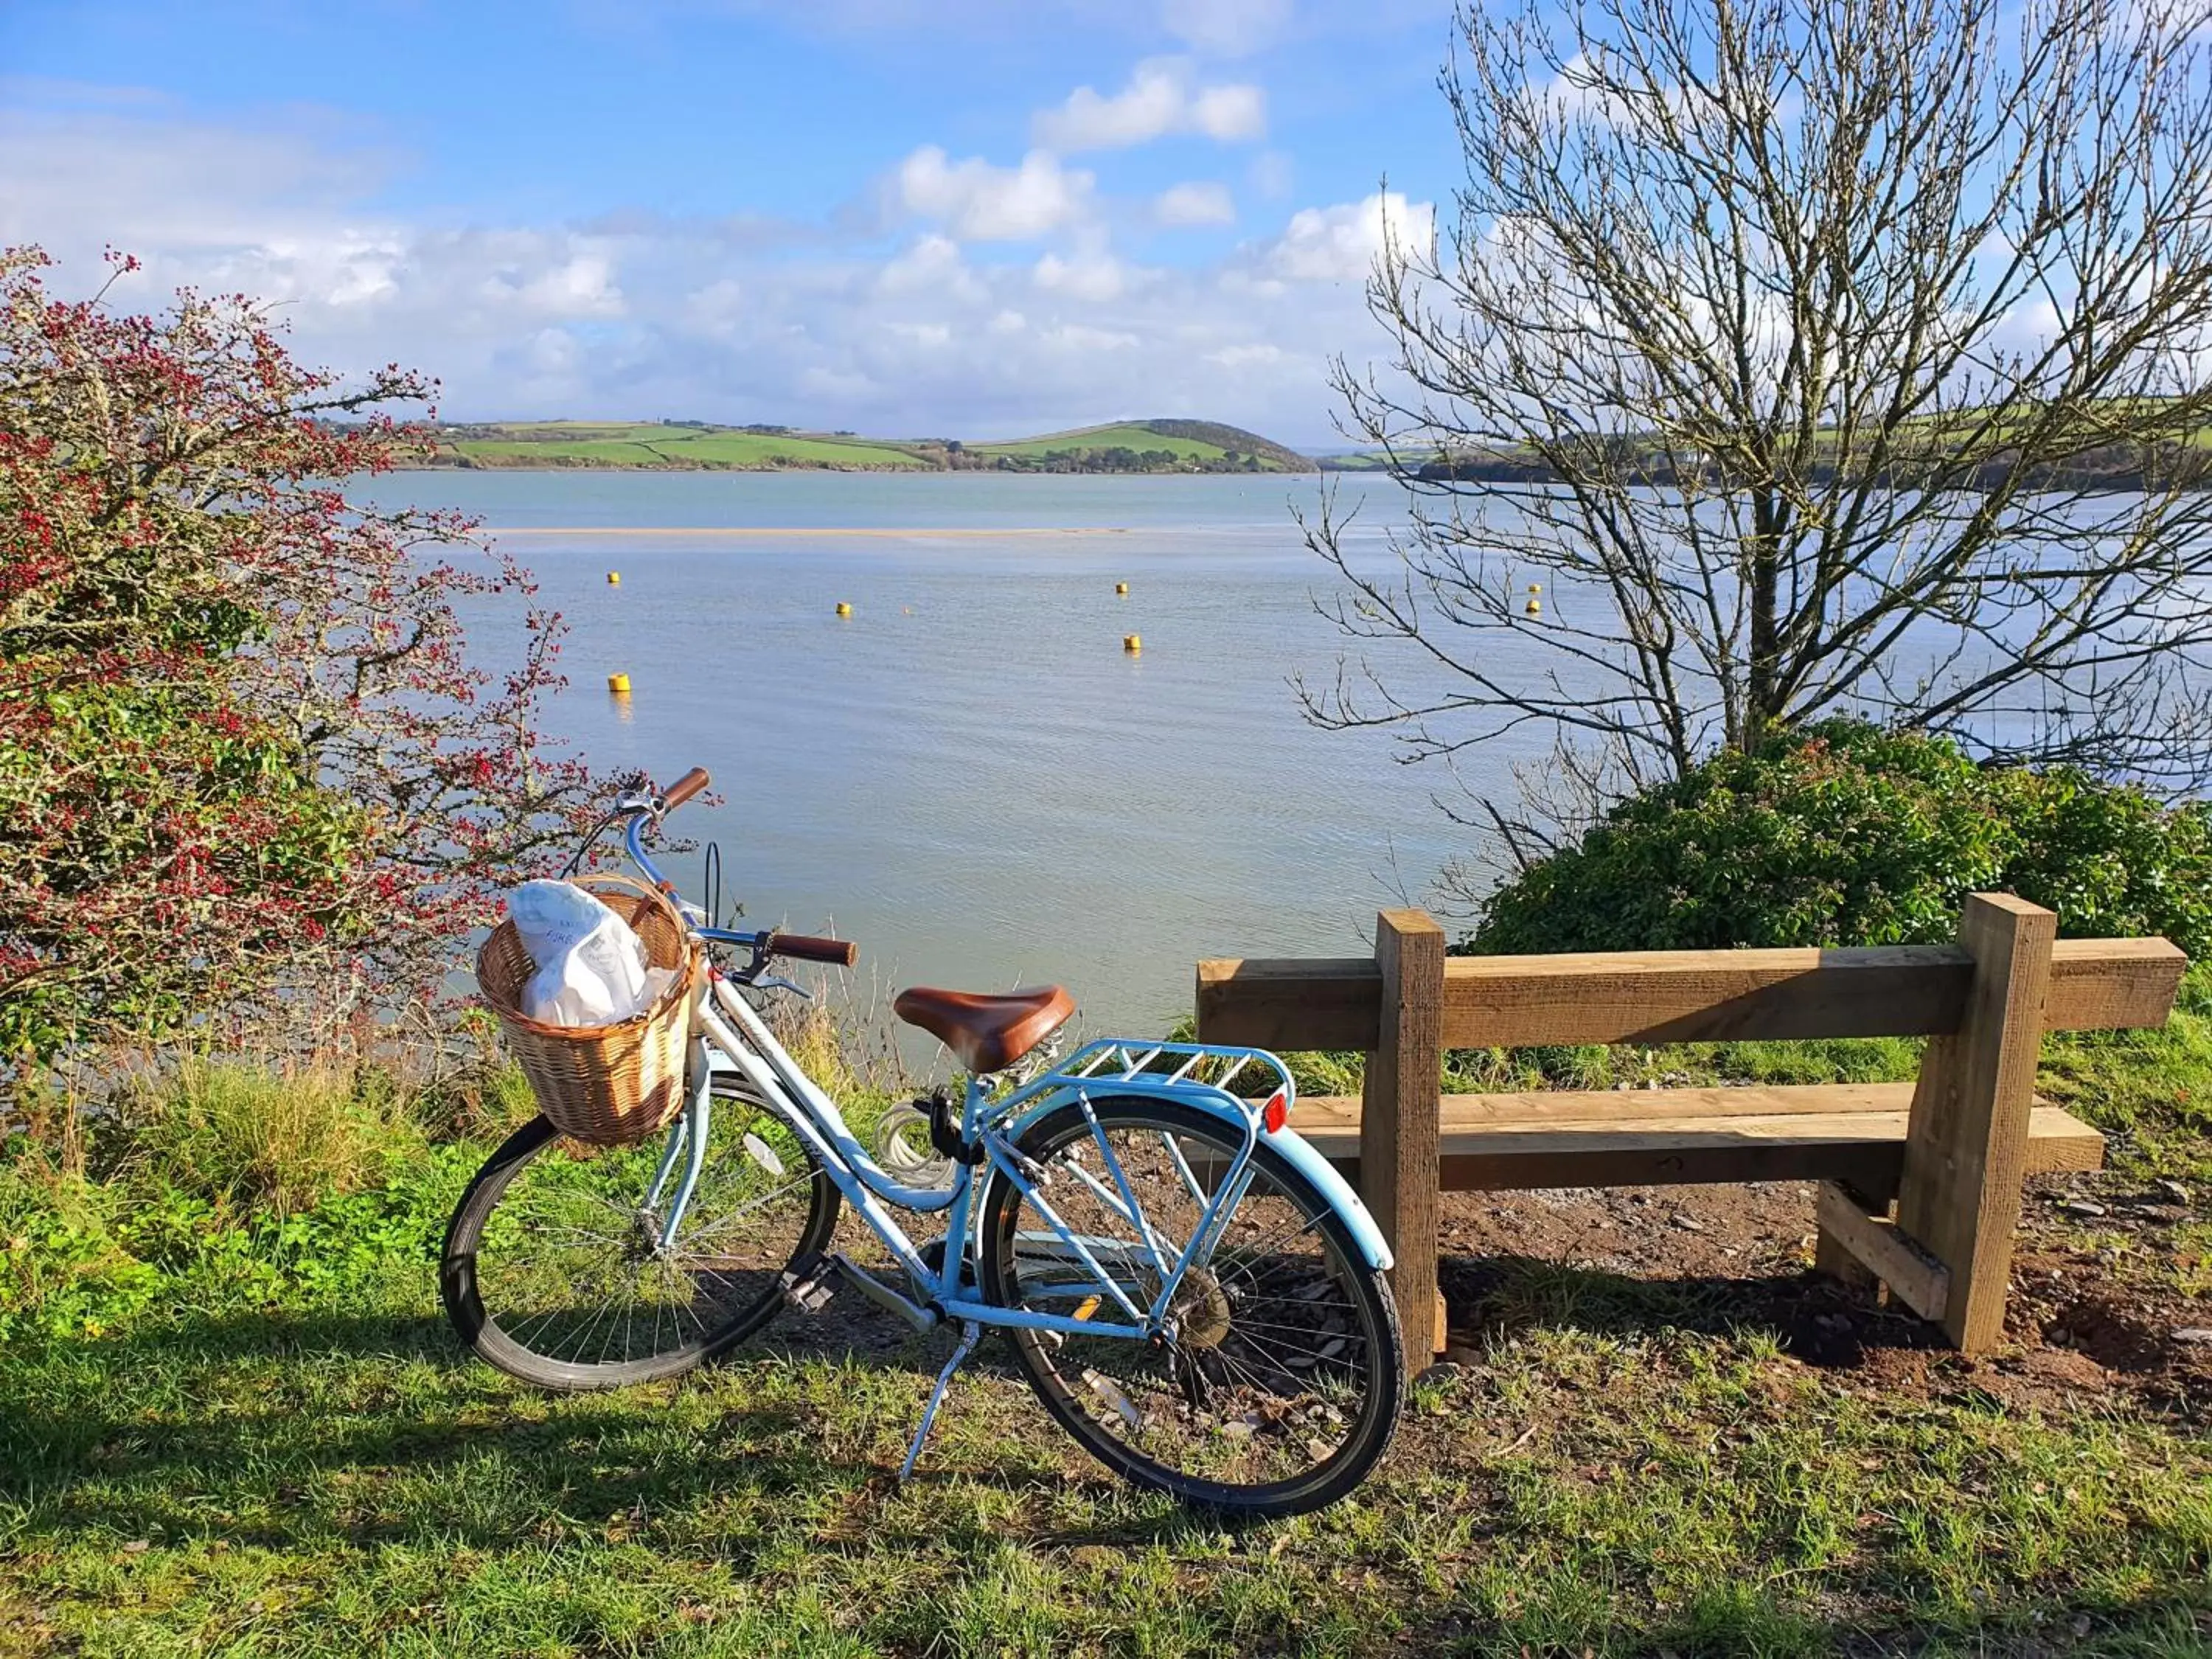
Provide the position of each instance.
(1966, 1147)
(1831, 1257)
(1400, 1104)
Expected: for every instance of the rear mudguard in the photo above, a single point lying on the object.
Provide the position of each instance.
(1298, 1152)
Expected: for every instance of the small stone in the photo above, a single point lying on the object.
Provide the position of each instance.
(2081, 1207)
(2173, 1191)
(1686, 1222)
(1445, 1370)
(138, 1546)
(2194, 1336)
(1243, 1428)
(2166, 1215)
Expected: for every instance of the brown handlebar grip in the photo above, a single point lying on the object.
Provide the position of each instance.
(683, 788)
(841, 951)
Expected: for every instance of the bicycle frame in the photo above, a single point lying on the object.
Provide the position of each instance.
(731, 1039)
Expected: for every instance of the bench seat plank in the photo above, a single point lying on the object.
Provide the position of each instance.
(1851, 1132)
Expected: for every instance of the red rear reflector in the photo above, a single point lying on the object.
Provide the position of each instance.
(1276, 1112)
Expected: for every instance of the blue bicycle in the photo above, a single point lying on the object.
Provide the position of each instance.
(1192, 1292)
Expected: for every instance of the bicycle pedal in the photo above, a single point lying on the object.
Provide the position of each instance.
(811, 1293)
(851, 1273)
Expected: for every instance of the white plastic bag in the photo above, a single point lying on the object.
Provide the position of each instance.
(591, 965)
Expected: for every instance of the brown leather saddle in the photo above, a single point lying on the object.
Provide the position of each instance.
(986, 1033)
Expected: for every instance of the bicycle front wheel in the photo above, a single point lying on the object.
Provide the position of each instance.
(1283, 1381)
(556, 1269)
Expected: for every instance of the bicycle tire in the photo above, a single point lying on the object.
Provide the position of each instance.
(1373, 1331)
(481, 1329)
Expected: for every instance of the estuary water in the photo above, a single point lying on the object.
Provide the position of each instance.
(969, 774)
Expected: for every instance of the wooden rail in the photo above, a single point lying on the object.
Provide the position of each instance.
(1679, 996)
(1951, 1149)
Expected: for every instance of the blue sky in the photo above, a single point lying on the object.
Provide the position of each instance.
(969, 217)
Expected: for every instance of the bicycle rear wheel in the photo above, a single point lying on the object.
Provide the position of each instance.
(553, 1269)
(1283, 1382)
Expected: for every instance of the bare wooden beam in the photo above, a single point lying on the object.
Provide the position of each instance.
(1679, 996)
(1646, 1139)
(1291, 1005)
(1914, 1277)
(1401, 1103)
(2111, 984)
(1966, 1150)
(1690, 996)
(1830, 1254)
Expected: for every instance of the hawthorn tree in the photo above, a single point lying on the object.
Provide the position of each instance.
(246, 759)
(1815, 358)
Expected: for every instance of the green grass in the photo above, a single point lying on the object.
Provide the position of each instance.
(229, 1431)
(646, 444)
(1139, 435)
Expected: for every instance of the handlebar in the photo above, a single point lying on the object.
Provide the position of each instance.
(683, 788)
(805, 947)
(842, 952)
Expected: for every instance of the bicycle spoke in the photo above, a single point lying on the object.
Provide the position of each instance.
(573, 1272)
(1272, 1361)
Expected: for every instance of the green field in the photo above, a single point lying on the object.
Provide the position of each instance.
(1140, 435)
(1122, 446)
(645, 444)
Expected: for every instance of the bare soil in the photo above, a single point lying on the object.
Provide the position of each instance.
(2083, 1319)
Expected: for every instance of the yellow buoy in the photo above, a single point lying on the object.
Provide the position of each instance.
(1133, 642)
(1121, 587)
(844, 610)
(614, 579)
(1535, 588)
(619, 684)
(1535, 607)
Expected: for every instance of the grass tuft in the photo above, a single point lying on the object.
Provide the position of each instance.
(275, 1140)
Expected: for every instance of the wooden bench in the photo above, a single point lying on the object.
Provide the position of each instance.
(1949, 1151)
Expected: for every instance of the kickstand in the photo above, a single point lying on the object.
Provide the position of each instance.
(970, 1335)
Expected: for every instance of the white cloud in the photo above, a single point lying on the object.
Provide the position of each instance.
(932, 266)
(1342, 243)
(644, 314)
(1246, 356)
(1094, 276)
(581, 285)
(1195, 203)
(1162, 98)
(1231, 113)
(977, 202)
(1232, 28)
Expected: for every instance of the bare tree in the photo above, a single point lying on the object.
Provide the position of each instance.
(1817, 356)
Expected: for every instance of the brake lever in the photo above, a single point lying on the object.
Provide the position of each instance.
(777, 982)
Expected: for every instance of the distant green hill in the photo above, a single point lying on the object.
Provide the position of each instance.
(1127, 445)
(1161, 446)
(650, 444)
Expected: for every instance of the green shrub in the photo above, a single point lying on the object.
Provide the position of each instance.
(1847, 835)
(278, 1140)
(63, 1270)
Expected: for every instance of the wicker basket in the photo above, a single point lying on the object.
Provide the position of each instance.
(607, 1084)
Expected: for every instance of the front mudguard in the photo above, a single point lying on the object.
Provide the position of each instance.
(1298, 1152)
